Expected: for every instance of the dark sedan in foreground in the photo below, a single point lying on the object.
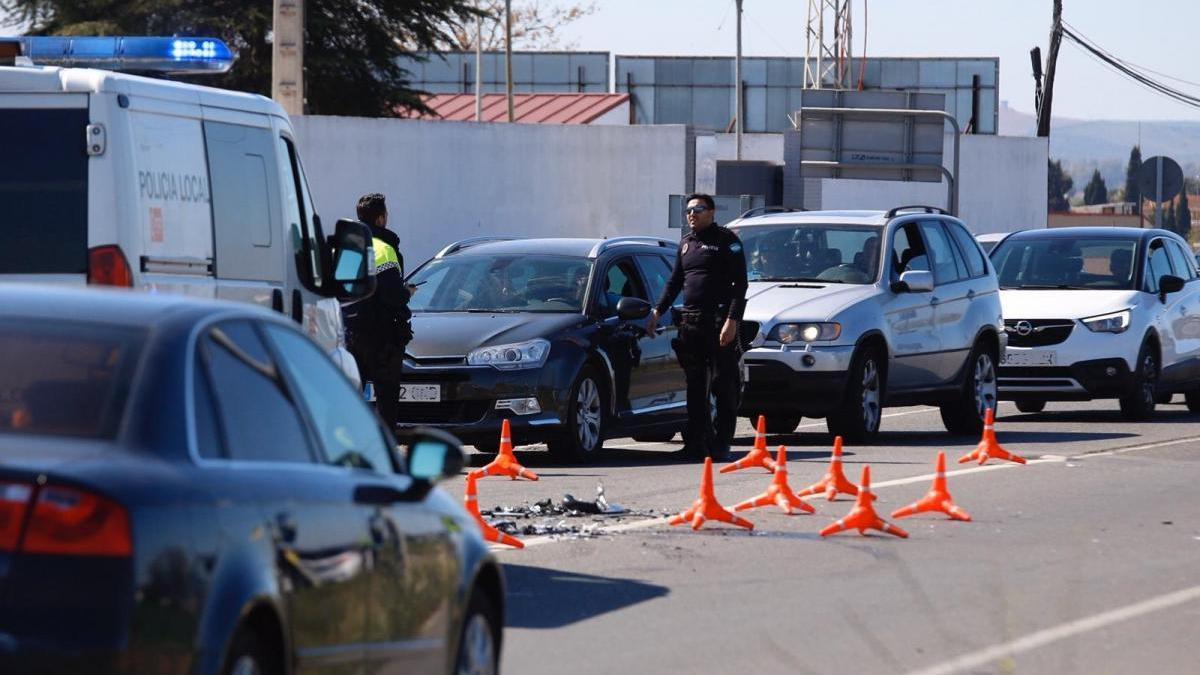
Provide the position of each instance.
(192, 487)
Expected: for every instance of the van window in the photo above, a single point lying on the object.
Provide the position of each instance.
(43, 191)
(244, 202)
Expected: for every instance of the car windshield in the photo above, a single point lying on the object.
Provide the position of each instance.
(506, 283)
(1035, 263)
(65, 379)
(845, 254)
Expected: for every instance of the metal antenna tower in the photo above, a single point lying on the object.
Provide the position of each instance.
(827, 37)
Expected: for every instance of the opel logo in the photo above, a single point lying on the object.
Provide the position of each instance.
(1024, 328)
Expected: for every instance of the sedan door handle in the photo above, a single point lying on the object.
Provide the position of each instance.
(285, 523)
(934, 300)
(971, 294)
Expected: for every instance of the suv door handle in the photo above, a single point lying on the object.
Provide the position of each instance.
(934, 300)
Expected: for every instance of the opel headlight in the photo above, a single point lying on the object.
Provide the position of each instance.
(516, 356)
(789, 333)
(1115, 322)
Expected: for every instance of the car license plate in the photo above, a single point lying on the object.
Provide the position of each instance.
(1037, 357)
(420, 393)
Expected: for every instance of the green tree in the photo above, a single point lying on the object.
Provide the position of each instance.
(1132, 193)
(350, 47)
(1183, 215)
(534, 25)
(1096, 192)
(1059, 185)
(1168, 215)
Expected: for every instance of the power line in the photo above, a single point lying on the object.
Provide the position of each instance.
(1128, 69)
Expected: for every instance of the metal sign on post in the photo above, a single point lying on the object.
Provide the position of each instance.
(1160, 179)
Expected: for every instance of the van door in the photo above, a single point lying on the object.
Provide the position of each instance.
(44, 187)
(247, 223)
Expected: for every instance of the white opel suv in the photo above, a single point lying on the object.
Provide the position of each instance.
(1094, 313)
(843, 331)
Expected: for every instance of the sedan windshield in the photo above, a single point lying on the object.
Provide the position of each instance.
(508, 283)
(844, 254)
(1057, 263)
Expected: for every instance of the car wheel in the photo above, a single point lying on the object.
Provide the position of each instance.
(1193, 400)
(964, 417)
(583, 433)
(857, 419)
(782, 424)
(1031, 406)
(479, 642)
(248, 655)
(1138, 403)
(654, 437)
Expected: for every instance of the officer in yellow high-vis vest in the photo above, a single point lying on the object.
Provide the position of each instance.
(380, 327)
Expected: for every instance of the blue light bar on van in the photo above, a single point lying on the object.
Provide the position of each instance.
(159, 54)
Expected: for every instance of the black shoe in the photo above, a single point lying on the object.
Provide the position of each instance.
(686, 454)
(721, 454)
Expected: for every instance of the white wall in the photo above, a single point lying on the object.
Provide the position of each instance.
(447, 181)
(1003, 180)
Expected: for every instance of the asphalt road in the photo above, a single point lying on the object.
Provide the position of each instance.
(1086, 560)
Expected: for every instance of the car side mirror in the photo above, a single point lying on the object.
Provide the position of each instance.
(434, 455)
(1169, 283)
(914, 281)
(353, 260)
(630, 309)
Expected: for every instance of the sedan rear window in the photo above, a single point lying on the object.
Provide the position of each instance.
(65, 379)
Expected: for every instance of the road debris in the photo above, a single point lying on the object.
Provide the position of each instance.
(547, 517)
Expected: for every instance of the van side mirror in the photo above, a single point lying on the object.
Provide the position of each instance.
(1169, 283)
(353, 260)
(631, 309)
(914, 281)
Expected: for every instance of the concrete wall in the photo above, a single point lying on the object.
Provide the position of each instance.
(1003, 180)
(447, 181)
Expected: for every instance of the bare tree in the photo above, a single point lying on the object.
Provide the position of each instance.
(535, 25)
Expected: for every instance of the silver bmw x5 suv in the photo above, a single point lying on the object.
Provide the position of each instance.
(843, 331)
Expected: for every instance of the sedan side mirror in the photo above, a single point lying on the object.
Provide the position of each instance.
(914, 281)
(353, 260)
(434, 455)
(1169, 283)
(631, 309)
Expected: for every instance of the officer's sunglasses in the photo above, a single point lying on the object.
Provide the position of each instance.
(696, 209)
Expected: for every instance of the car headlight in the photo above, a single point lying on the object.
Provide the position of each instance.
(1115, 322)
(788, 333)
(516, 356)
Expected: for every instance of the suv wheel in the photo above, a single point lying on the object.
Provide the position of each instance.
(964, 417)
(781, 424)
(479, 646)
(857, 419)
(583, 433)
(1031, 406)
(1138, 403)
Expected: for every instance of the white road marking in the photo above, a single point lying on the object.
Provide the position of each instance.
(1041, 638)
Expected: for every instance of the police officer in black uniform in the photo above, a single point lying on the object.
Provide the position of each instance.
(710, 270)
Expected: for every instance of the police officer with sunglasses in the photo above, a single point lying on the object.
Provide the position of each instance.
(710, 270)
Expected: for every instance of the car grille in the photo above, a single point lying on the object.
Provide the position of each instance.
(445, 412)
(1043, 332)
(747, 331)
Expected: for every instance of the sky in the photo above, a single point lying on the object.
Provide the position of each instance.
(1155, 34)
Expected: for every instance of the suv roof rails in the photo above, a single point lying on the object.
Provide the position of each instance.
(761, 210)
(927, 209)
(606, 244)
(468, 243)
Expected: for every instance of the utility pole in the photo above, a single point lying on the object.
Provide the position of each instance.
(1051, 60)
(478, 66)
(287, 56)
(508, 57)
(737, 74)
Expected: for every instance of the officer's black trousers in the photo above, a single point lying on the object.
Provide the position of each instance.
(708, 367)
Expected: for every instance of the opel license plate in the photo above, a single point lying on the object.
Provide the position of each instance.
(1034, 357)
(420, 393)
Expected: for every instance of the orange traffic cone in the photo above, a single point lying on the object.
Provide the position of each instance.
(707, 507)
(835, 480)
(989, 447)
(863, 517)
(779, 492)
(489, 533)
(505, 463)
(758, 456)
(937, 499)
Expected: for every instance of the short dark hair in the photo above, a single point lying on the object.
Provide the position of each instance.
(370, 207)
(707, 199)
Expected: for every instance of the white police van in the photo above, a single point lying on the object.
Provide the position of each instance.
(114, 179)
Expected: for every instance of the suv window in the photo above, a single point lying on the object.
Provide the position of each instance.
(908, 251)
(1158, 263)
(257, 418)
(657, 272)
(1180, 261)
(947, 268)
(347, 430)
(972, 256)
(620, 281)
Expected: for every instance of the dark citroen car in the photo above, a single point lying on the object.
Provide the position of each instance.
(548, 333)
(193, 487)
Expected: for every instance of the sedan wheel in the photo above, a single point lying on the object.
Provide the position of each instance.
(583, 433)
(479, 646)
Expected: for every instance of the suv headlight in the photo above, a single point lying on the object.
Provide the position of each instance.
(516, 356)
(1115, 322)
(788, 333)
